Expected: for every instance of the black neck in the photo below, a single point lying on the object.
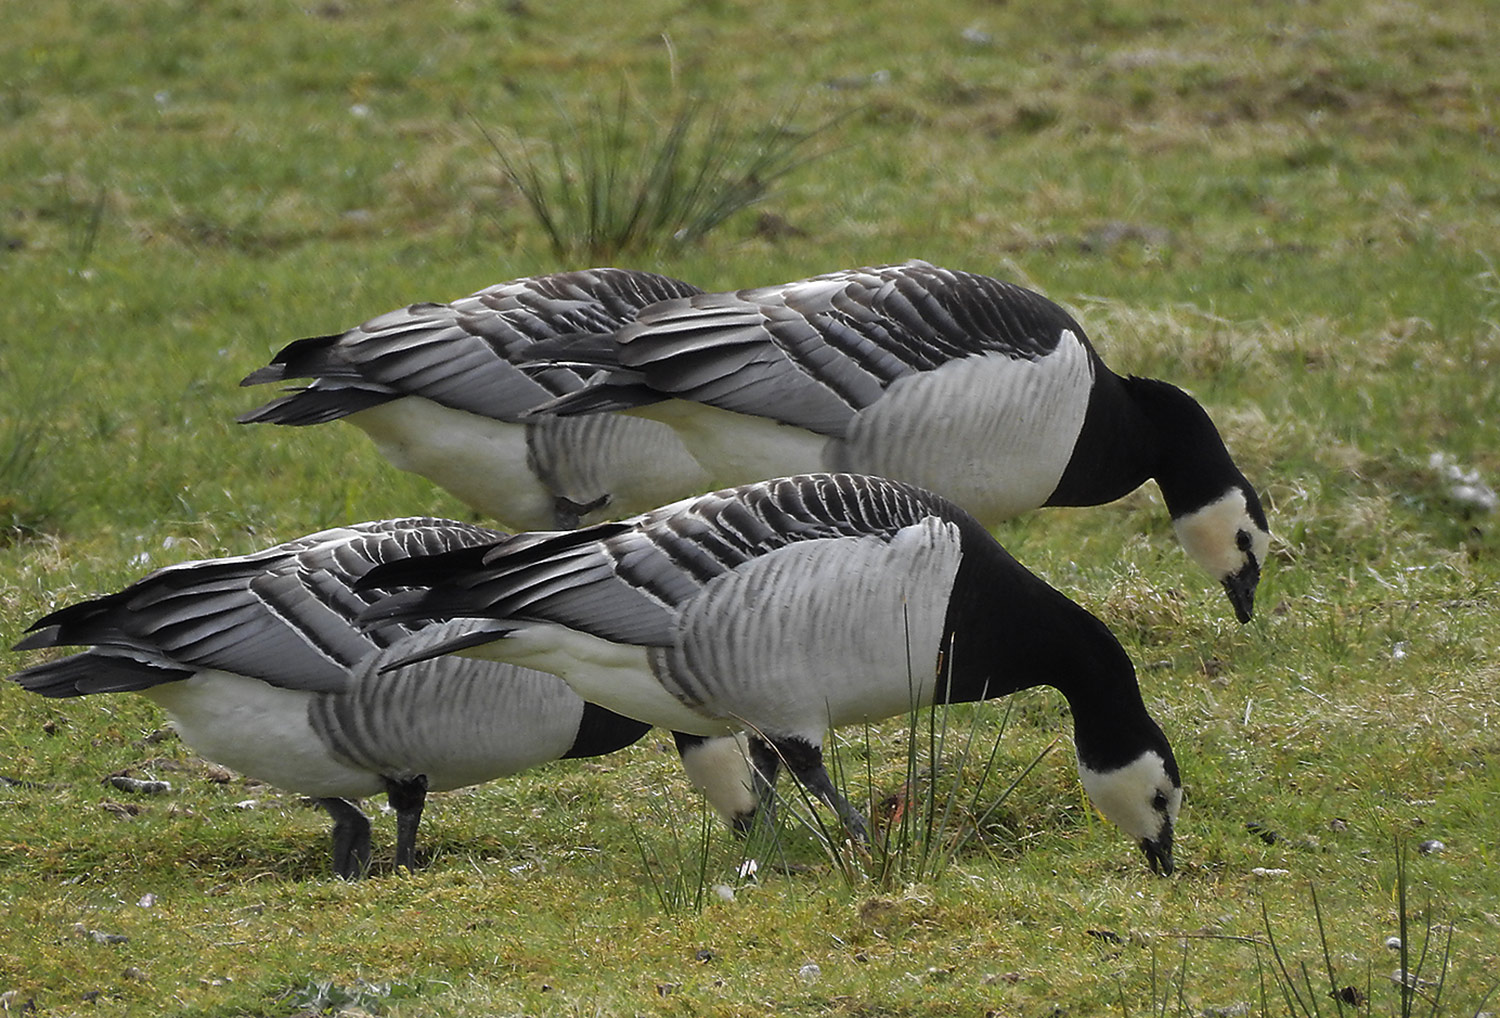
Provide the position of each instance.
(1003, 638)
(1141, 428)
(1193, 467)
(1117, 448)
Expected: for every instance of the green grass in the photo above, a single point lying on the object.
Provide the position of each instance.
(1289, 209)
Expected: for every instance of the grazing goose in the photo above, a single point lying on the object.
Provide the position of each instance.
(434, 387)
(978, 389)
(791, 605)
(261, 667)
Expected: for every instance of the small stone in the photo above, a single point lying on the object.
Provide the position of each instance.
(99, 936)
(1266, 872)
(1235, 1010)
(1348, 995)
(134, 975)
(1431, 847)
(810, 973)
(1393, 943)
(724, 891)
(1108, 936)
(1263, 832)
(1408, 979)
(705, 956)
(1338, 824)
(128, 784)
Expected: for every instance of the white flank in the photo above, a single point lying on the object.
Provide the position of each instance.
(739, 448)
(259, 730)
(993, 433)
(1210, 535)
(819, 633)
(480, 460)
(613, 675)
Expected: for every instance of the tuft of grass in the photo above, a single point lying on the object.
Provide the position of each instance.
(1420, 989)
(616, 181)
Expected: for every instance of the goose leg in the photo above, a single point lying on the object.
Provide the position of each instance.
(351, 838)
(806, 761)
(765, 764)
(407, 797)
(568, 514)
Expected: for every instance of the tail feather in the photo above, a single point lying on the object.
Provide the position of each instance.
(97, 672)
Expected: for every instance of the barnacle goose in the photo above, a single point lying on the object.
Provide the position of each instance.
(791, 605)
(965, 385)
(433, 385)
(259, 663)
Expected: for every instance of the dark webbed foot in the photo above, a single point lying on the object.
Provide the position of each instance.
(407, 797)
(351, 838)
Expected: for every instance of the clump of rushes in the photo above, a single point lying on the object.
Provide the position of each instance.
(26, 506)
(618, 181)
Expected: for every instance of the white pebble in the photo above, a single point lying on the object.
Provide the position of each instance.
(724, 891)
(810, 973)
(1393, 943)
(1431, 847)
(1262, 871)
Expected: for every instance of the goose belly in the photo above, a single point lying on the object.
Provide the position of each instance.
(262, 731)
(638, 463)
(991, 432)
(614, 675)
(736, 448)
(818, 633)
(458, 721)
(480, 460)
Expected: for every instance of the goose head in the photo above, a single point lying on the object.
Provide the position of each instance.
(1229, 537)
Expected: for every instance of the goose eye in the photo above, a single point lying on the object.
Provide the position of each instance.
(1159, 802)
(1242, 540)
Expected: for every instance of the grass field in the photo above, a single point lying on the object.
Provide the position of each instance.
(1290, 209)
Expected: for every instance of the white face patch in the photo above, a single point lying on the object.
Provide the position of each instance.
(1139, 797)
(1211, 535)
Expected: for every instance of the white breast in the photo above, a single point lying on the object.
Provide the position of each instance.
(818, 633)
(993, 433)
